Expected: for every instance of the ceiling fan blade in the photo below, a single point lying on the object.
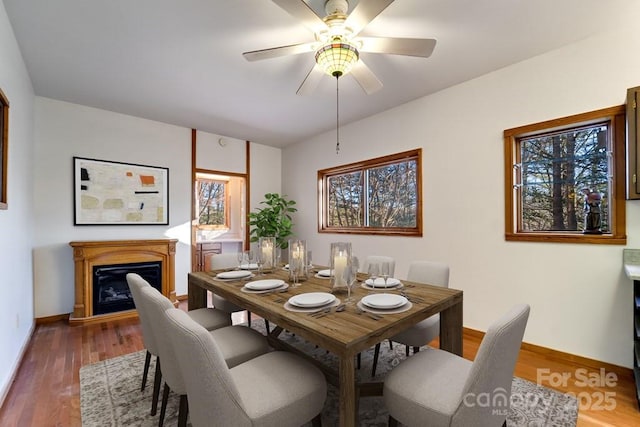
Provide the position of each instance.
(398, 46)
(310, 83)
(274, 52)
(365, 78)
(364, 13)
(302, 12)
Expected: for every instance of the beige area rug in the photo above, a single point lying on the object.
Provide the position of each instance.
(110, 394)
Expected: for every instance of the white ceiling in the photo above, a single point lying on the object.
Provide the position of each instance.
(180, 61)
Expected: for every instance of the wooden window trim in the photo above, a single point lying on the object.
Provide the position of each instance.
(4, 149)
(617, 235)
(324, 174)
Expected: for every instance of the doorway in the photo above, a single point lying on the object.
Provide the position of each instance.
(220, 212)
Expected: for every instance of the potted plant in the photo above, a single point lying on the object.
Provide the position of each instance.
(273, 220)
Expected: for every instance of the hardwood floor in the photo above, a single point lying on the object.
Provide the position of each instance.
(46, 390)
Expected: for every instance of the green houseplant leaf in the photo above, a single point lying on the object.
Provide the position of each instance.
(273, 220)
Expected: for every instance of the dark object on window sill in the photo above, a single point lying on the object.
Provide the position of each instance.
(592, 220)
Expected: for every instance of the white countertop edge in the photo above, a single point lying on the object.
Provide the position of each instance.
(632, 271)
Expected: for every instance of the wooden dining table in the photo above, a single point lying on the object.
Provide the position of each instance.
(344, 333)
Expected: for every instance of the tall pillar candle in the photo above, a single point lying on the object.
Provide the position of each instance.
(339, 267)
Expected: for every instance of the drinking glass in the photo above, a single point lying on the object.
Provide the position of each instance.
(294, 269)
(260, 259)
(373, 273)
(353, 278)
(309, 266)
(251, 258)
(240, 259)
(384, 272)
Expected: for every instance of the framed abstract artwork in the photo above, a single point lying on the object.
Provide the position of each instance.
(116, 193)
(4, 148)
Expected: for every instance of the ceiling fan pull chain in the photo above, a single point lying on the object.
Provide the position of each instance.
(337, 116)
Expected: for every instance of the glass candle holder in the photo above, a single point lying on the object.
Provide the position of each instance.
(298, 271)
(340, 259)
(267, 253)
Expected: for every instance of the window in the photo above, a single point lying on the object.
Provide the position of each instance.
(552, 167)
(212, 202)
(377, 196)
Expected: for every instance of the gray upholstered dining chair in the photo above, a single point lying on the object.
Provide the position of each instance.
(207, 317)
(136, 284)
(432, 273)
(379, 259)
(277, 389)
(219, 262)
(438, 388)
(237, 345)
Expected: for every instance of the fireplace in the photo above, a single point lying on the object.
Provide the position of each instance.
(110, 289)
(101, 289)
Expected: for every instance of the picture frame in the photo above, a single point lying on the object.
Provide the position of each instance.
(4, 149)
(117, 193)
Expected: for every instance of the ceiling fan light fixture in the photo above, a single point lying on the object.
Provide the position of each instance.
(337, 57)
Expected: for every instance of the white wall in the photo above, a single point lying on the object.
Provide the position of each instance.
(218, 153)
(16, 223)
(580, 298)
(266, 173)
(64, 130)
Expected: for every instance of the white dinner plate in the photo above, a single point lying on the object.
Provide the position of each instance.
(295, 308)
(325, 273)
(379, 282)
(312, 299)
(384, 311)
(282, 287)
(234, 274)
(384, 301)
(248, 266)
(263, 285)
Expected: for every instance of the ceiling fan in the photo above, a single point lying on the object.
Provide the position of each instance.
(337, 43)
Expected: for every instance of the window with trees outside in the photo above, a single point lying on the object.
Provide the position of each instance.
(565, 179)
(376, 196)
(212, 202)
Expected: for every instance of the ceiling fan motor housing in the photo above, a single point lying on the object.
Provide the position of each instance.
(336, 7)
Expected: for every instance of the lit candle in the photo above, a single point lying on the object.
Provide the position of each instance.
(267, 254)
(339, 267)
(296, 256)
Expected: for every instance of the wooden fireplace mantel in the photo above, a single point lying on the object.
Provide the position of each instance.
(88, 254)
